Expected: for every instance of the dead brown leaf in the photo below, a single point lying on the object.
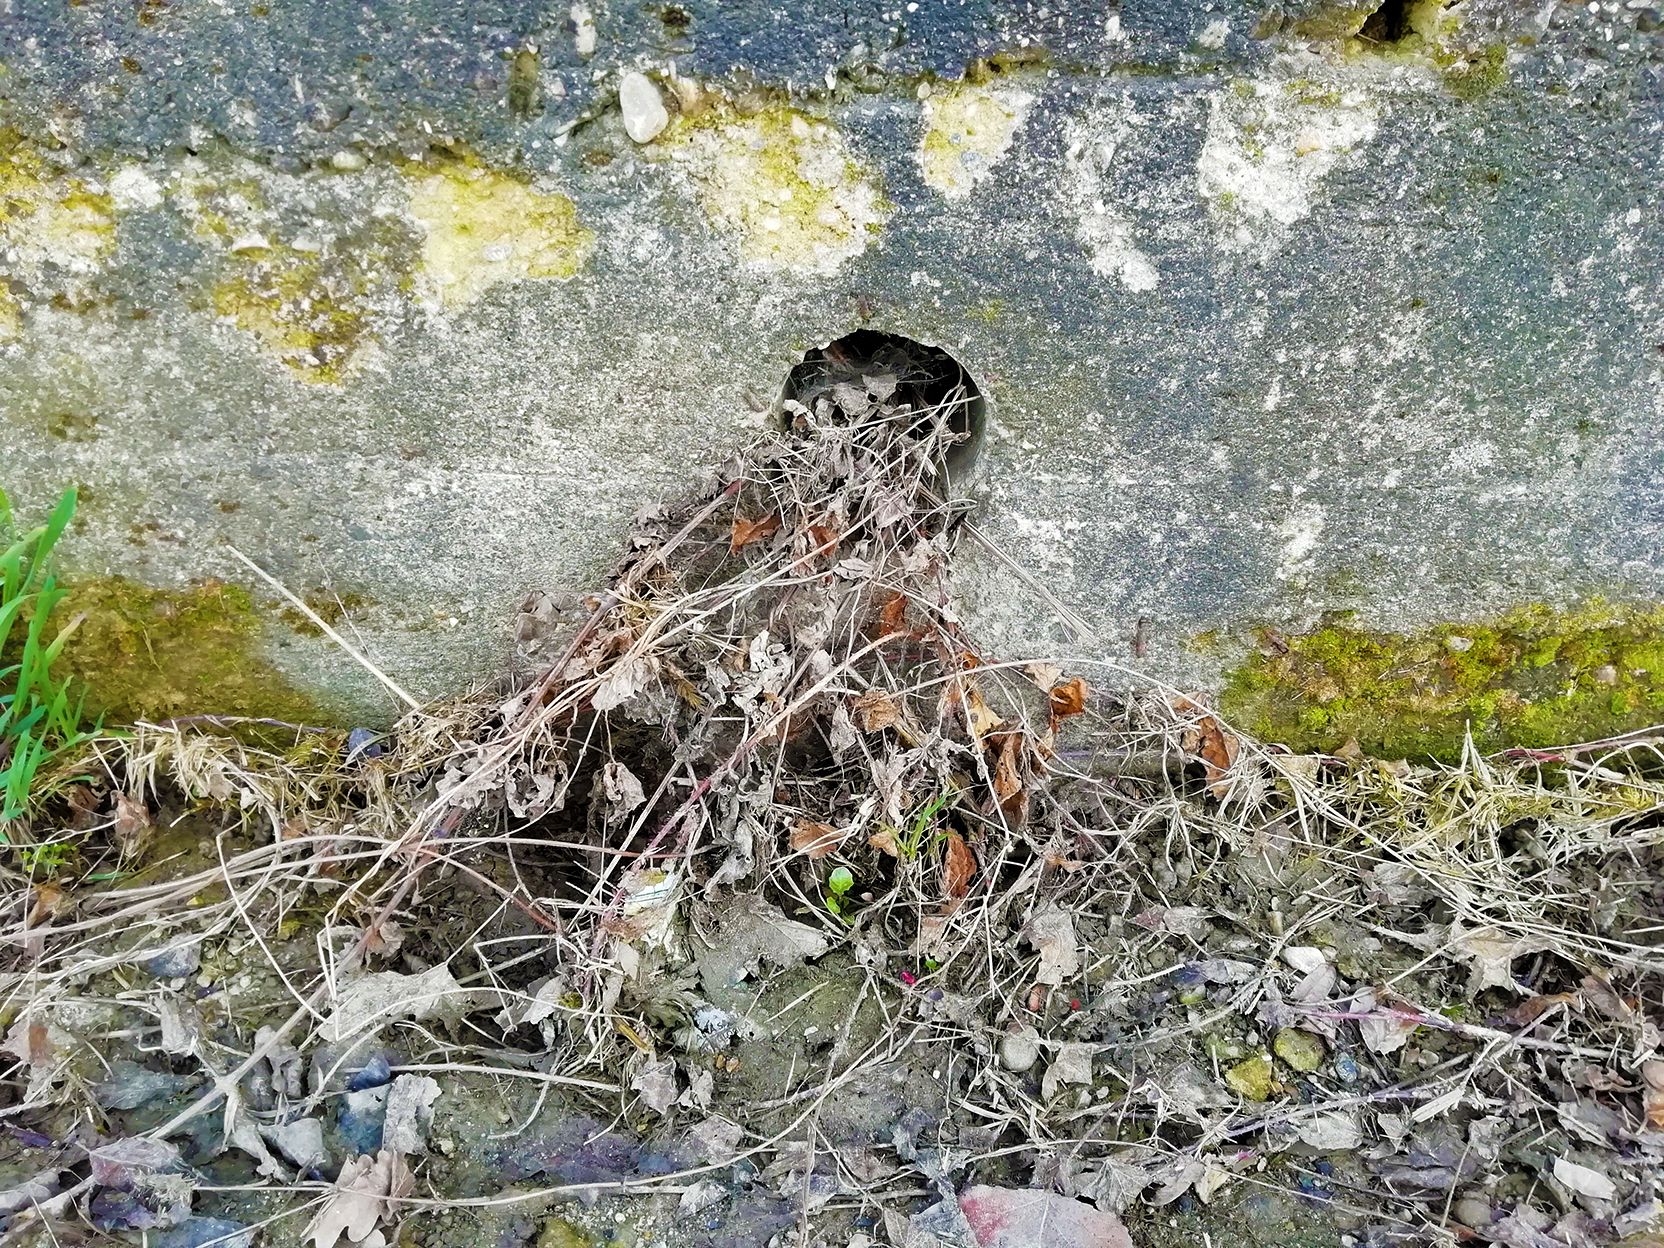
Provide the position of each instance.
(1530, 1010)
(1009, 775)
(366, 1193)
(884, 840)
(746, 532)
(1604, 998)
(823, 539)
(1652, 1074)
(83, 807)
(1208, 740)
(875, 711)
(958, 865)
(132, 827)
(981, 719)
(1008, 767)
(1067, 699)
(892, 619)
(50, 901)
(817, 840)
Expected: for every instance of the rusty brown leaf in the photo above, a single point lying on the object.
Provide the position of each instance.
(884, 840)
(49, 902)
(1208, 740)
(1067, 699)
(816, 840)
(874, 710)
(823, 539)
(1218, 753)
(1533, 1008)
(748, 531)
(958, 865)
(892, 619)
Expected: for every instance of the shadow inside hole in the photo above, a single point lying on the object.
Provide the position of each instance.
(927, 380)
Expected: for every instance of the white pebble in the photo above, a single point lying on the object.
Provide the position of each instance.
(644, 114)
(1020, 1049)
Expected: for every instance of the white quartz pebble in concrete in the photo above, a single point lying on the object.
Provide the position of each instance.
(644, 114)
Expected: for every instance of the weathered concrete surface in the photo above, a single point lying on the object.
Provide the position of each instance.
(1271, 326)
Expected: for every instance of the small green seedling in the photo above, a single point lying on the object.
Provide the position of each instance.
(837, 884)
(912, 841)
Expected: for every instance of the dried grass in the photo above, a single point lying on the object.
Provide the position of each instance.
(774, 689)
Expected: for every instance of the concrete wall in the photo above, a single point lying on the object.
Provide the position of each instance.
(1275, 320)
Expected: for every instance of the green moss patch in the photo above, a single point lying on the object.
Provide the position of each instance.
(144, 653)
(1534, 677)
(329, 606)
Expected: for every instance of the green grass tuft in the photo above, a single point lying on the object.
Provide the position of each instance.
(38, 720)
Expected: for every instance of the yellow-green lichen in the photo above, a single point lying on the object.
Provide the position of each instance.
(1475, 73)
(784, 183)
(1426, 33)
(304, 267)
(483, 227)
(967, 129)
(56, 230)
(1534, 677)
(146, 653)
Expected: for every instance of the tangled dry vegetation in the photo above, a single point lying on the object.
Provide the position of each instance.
(1091, 959)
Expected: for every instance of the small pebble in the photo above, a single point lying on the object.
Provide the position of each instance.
(1251, 1079)
(1472, 1211)
(644, 113)
(348, 162)
(181, 959)
(1300, 1049)
(1020, 1049)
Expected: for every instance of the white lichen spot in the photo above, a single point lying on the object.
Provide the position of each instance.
(967, 130)
(482, 228)
(1213, 35)
(1299, 535)
(583, 23)
(1471, 458)
(133, 189)
(785, 185)
(644, 113)
(1269, 145)
(1087, 188)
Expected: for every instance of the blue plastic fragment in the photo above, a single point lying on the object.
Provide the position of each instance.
(372, 1074)
(363, 1114)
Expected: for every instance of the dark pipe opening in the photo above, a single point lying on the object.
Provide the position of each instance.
(893, 369)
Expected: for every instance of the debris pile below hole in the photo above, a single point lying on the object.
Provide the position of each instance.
(760, 904)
